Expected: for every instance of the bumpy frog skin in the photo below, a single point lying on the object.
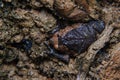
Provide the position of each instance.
(75, 39)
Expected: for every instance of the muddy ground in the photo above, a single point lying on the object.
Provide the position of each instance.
(34, 20)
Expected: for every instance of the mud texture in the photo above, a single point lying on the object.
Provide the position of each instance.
(35, 21)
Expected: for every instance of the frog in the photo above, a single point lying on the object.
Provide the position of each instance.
(74, 39)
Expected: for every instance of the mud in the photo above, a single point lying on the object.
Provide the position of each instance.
(35, 19)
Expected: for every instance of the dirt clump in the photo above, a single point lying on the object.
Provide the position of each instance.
(26, 25)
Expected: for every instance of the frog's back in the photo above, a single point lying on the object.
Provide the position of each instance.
(79, 39)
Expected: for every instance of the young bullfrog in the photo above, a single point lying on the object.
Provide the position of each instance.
(74, 39)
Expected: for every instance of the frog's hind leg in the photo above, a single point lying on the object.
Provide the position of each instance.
(53, 52)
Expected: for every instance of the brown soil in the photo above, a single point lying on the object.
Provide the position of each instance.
(35, 19)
